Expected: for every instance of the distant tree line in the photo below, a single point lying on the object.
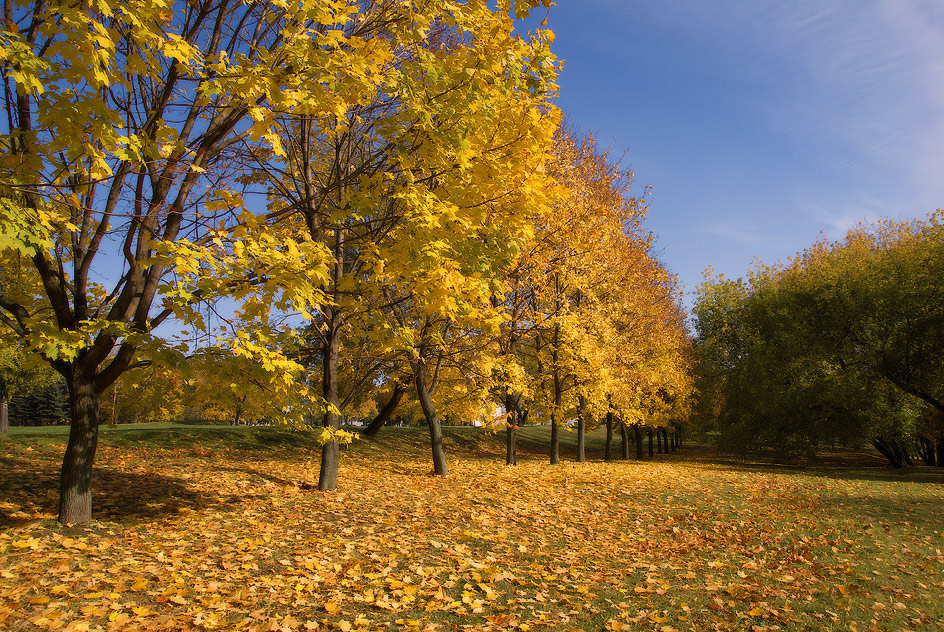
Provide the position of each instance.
(841, 345)
(46, 406)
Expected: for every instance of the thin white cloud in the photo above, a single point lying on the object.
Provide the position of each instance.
(867, 83)
(736, 232)
(835, 224)
(856, 83)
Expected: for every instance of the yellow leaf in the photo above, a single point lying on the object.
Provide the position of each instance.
(119, 617)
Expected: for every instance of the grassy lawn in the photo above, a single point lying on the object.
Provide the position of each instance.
(220, 528)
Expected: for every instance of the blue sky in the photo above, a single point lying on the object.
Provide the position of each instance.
(760, 124)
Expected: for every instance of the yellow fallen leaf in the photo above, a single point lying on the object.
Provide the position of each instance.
(119, 617)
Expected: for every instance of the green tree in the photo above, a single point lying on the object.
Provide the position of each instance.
(836, 345)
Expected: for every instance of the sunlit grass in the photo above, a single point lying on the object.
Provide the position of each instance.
(219, 528)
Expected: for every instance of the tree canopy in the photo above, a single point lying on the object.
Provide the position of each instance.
(309, 204)
(840, 344)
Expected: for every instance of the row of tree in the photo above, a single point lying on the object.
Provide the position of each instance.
(841, 345)
(184, 183)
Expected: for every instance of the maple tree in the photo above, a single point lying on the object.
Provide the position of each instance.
(407, 187)
(163, 101)
(601, 317)
(118, 118)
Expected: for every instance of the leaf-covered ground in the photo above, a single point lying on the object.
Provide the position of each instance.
(225, 530)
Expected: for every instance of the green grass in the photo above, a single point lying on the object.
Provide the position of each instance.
(220, 528)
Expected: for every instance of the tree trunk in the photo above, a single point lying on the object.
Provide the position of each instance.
(511, 437)
(637, 431)
(75, 483)
(649, 432)
(608, 453)
(511, 434)
(558, 390)
(555, 441)
(4, 414)
(659, 440)
(378, 422)
(432, 421)
(887, 451)
(624, 441)
(926, 451)
(665, 439)
(582, 431)
(940, 452)
(555, 429)
(330, 451)
(901, 452)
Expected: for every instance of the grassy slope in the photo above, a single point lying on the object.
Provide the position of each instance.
(213, 527)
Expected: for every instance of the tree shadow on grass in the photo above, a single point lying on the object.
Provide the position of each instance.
(886, 513)
(843, 466)
(30, 491)
(265, 476)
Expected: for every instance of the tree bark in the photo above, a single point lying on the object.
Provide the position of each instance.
(887, 451)
(649, 432)
(378, 422)
(440, 468)
(608, 453)
(330, 451)
(637, 431)
(624, 439)
(555, 429)
(665, 439)
(901, 452)
(558, 390)
(582, 431)
(511, 437)
(659, 440)
(4, 414)
(926, 451)
(555, 441)
(75, 483)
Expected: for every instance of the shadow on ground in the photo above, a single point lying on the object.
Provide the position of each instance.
(846, 465)
(30, 491)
